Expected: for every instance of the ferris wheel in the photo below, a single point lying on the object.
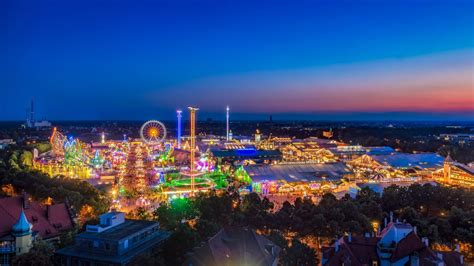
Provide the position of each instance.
(153, 131)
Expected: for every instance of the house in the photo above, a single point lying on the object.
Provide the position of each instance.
(397, 245)
(22, 221)
(114, 241)
(235, 246)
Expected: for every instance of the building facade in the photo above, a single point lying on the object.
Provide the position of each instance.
(114, 241)
(397, 245)
(455, 174)
(22, 221)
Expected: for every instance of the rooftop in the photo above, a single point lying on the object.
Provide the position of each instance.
(408, 160)
(48, 221)
(298, 172)
(120, 231)
(235, 246)
(246, 153)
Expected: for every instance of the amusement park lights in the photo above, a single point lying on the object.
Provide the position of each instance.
(227, 123)
(179, 115)
(153, 131)
(192, 111)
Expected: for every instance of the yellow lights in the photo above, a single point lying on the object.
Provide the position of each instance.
(192, 111)
(375, 226)
(153, 132)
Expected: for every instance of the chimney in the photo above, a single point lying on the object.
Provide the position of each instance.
(25, 200)
(336, 245)
(391, 217)
(426, 241)
(349, 237)
(385, 222)
(414, 230)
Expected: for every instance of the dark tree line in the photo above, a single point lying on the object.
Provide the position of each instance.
(15, 173)
(444, 215)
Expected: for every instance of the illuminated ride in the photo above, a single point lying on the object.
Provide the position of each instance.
(73, 152)
(153, 131)
(57, 141)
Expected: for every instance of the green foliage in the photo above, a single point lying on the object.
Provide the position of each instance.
(42, 147)
(297, 253)
(183, 239)
(255, 210)
(26, 159)
(67, 238)
(170, 215)
(40, 186)
(444, 215)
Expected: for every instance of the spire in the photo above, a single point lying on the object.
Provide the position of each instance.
(22, 226)
(227, 122)
(448, 158)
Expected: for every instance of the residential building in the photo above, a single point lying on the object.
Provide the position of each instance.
(22, 221)
(397, 245)
(235, 246)
(114, 241)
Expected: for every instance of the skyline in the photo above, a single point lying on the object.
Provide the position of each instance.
(308, 60)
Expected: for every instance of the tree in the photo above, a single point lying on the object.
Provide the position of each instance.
(255, 210)
(183, 239)
(39, 255)
(298, 254)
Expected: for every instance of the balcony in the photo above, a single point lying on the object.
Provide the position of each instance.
(7, 249)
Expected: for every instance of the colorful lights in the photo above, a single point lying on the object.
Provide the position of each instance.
(193, 144)
(179, 115)
(153, 131)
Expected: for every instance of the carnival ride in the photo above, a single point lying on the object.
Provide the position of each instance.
(153, 132)
(57, 141)
(73, 154)
(97, 161)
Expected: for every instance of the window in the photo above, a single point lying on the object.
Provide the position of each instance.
(125, 244)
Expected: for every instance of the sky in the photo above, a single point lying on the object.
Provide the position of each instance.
(140, 60)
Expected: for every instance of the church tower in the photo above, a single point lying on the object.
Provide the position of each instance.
(21, 230)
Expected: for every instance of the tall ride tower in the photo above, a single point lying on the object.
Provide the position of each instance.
(192, 111)
(30, 118)
(227, 122)
(179, 115)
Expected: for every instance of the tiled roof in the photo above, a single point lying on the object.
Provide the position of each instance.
(235, 246)
(407, 246)
(48, 221)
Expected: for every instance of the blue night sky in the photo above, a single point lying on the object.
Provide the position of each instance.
(137, 60)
